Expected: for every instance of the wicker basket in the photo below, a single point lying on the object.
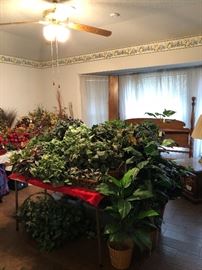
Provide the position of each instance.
(121, 259)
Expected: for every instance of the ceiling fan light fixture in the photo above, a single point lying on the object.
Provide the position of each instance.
(62, 34)
(49, 32)
(62, 13)
(53, 32)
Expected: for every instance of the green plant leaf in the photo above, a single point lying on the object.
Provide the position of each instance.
(168, 142)
(142, 164)
(111, 228)
(158, 114)
(105, 189)
(124, 207)
(115, 181)
(131, 160)
(148, 213)
(150, 114)
(168, 113)
(141, 194)
(151, 149)
(142, 239)
(129, 177)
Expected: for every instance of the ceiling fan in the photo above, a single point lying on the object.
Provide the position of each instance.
(57, 23)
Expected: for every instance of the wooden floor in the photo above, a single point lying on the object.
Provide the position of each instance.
(180, 244)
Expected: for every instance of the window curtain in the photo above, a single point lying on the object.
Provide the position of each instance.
(195, 89)
(156, 91)
(94, 97)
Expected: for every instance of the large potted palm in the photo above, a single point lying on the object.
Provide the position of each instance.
(129, 218)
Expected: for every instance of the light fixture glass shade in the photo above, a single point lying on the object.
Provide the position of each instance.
(197, 132)
(62, 33)
(53, 32)
(49, 32)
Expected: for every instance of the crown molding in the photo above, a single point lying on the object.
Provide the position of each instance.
(163, 46)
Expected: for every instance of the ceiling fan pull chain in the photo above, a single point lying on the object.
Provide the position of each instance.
(52, 63)
(57, 61)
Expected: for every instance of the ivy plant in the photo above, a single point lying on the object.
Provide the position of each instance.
(51, 223)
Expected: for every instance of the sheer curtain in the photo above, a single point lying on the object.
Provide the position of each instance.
(94, 97)
(156, 91)
(153, 92)
(195, 89)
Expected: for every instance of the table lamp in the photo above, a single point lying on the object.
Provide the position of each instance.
(197, 132)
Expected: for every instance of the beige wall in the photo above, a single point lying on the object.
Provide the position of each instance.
(20, 88)
(68, 76)
(23, 88)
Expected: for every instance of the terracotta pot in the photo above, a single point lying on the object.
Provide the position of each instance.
(121, 259)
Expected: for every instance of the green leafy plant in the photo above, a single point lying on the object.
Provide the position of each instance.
(51, 223)
(72, 151)
(129, 219)
(165, 113)
(51, 168)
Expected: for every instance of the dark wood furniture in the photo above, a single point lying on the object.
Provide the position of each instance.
(192, 185)
(174, 129)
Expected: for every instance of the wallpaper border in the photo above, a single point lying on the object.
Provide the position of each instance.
(5, 59)
(177, 44)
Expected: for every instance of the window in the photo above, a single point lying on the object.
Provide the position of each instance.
(154, 92)
(94, 94)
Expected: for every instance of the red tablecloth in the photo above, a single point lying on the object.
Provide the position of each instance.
(90, 196)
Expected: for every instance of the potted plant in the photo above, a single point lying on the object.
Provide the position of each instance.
(129, 219)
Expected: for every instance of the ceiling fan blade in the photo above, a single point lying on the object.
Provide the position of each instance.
(13, 23)
(90, 29)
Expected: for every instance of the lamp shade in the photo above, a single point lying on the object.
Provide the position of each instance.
(197, 132)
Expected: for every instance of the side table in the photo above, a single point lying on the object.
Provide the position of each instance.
(192, 185)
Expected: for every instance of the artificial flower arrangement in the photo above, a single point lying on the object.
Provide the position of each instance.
(34, 124)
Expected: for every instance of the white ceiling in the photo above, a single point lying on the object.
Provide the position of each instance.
(140, 22)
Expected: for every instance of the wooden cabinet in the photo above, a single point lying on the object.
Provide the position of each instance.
(192, 185)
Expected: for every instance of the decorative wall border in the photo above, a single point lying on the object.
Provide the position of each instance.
(177, 44)
(19, 61)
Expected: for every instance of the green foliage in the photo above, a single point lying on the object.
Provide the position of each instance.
(50, 167)
(129, 219)
(88, 152)
(63, 125)
(165, 113)
(72, 152)
(52, 223)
